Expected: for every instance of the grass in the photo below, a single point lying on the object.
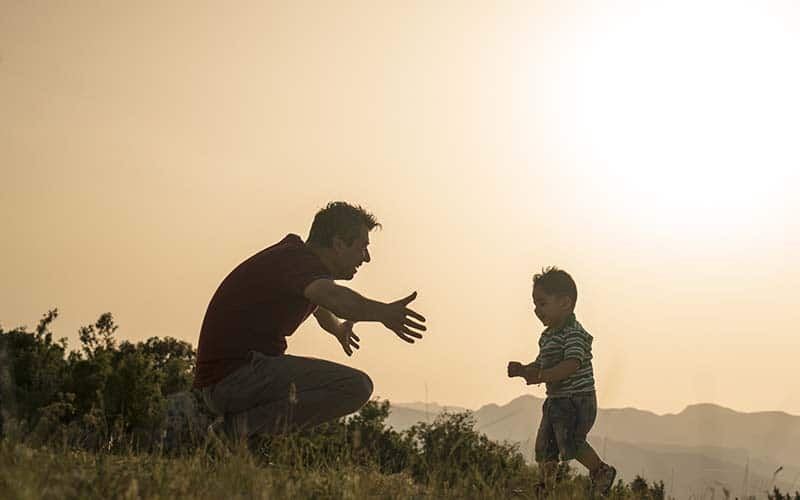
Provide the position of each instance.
(327, 462)
(27, 472)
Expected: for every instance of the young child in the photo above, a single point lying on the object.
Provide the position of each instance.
(564, 364)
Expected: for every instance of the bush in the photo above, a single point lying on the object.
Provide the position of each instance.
(34, 368)
(451, 452)
(361, 439)
(778, 495)
(111, 397)
(100, 395)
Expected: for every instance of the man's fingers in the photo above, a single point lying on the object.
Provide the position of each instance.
(414, 314)
(354, 343)
(354, 336)
(403, 336)
(408, 299)
(410, 332)
(415, 325)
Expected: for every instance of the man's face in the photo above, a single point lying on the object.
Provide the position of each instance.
(552, 310)
(350, 257)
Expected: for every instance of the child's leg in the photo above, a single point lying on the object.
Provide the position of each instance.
(601, 474)
(572, 419)
(549, 470)
(586, 413)
(588, 457)
(546, 448)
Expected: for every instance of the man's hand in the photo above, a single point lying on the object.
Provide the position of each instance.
(515, 369)
(398, 318)
(347, 337)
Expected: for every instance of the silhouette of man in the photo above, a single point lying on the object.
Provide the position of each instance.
(242, 368)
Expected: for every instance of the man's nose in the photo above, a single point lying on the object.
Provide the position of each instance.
(366, 256)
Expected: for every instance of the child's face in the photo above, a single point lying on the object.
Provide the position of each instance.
(552, 310)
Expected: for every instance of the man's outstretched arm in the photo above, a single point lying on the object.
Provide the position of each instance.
(348, 304)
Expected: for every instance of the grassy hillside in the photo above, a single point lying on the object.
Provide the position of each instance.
(33, 473)
(116, 420)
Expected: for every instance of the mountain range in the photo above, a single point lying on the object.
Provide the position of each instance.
(703, 450)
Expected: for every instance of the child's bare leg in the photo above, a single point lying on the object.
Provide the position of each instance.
(601, 474)
(588, 457)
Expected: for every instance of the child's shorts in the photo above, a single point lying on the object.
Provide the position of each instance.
(565, 423)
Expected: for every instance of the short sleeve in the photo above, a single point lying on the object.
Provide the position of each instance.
(301, 268)
(577, 345)
(295, 267)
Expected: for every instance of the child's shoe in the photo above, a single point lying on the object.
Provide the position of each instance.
(603, 479)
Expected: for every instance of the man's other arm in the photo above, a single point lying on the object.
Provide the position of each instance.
(342, 330)
(327, 321)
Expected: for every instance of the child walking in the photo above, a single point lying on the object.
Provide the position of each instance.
(564, 364)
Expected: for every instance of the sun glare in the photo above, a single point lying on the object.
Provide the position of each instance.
(688, 113)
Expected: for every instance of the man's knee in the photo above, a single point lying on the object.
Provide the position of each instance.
(362, 388)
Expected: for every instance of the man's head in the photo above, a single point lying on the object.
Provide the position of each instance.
(554, 296)
(340, 235)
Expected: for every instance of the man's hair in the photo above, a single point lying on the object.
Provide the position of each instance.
(555, 281)
(340, 219)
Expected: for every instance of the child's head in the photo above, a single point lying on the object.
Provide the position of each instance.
(554, 296)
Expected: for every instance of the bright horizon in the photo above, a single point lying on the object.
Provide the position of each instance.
(648, 149)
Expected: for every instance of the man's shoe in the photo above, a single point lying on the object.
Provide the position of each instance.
(185, 422)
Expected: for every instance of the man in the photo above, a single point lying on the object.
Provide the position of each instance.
(242, 369)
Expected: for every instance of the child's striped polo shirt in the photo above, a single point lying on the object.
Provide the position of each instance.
(570, 342)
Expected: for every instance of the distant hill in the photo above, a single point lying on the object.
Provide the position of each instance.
(405, 415)
(705, 446)
(433, 408)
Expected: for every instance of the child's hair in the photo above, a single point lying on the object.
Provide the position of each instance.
(555, 281)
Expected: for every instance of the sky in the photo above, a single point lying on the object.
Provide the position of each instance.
(648, 148)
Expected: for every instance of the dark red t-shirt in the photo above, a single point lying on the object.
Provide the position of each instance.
(256, 307)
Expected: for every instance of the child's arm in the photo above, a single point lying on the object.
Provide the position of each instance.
(536, 375)
(516, 369)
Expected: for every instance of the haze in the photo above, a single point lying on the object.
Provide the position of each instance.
(146, 148)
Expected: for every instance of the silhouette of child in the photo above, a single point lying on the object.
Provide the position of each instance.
(564, 364)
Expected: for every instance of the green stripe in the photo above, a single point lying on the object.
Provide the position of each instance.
(572, 341)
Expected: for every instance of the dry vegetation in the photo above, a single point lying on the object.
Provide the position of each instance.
(98, 423)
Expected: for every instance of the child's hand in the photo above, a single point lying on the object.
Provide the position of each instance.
(515, 369)
(532, 375)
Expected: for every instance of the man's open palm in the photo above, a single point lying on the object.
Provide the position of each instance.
(347, 337)
(401, 320)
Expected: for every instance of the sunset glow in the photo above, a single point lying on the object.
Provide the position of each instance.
(649, 148)
(689, 111)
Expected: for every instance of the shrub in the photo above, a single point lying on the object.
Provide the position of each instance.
(100, 395)
(451, 452)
